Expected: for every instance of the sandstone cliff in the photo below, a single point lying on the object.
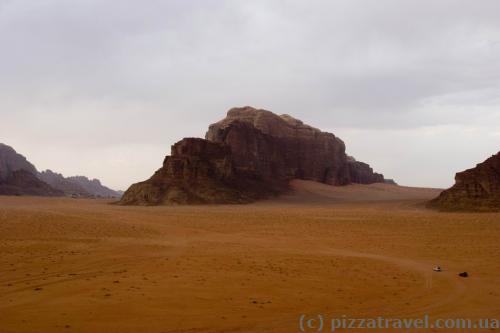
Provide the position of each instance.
(476, 189)
(362, 173)
(198, 171)
(271, 146)
(246, 156)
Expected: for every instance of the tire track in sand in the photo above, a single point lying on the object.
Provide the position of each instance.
(425, 269)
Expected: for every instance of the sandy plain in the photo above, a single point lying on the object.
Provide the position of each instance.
(71, 265)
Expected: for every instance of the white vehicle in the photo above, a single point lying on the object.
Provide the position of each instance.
(437, 269)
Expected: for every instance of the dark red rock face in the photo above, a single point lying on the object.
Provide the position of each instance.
(269, 157)
(249, 155)
(197, 172)
(476, 189)
(362, 173)
(273, 146)
(194, 159)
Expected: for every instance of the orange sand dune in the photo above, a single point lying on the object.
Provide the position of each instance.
(308, 192)
(86, 266)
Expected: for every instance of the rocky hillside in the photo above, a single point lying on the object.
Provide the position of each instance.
(78, 186)
(19, 177)
(23, 182)
(11, 161)
(249, 155)
(57, 180)
(476, 189)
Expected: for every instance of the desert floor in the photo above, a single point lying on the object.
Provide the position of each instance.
(71, 265)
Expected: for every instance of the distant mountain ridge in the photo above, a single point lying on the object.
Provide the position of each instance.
(94, 187)
(20, 177)
(57, 180)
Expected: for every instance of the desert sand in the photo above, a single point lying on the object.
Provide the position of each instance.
(81, 265)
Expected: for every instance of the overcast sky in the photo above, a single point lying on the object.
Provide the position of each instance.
(103, 88)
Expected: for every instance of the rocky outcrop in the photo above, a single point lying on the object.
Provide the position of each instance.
(197, 172)
(476, 189)
(362, 173)
(249, 155)
(273, 146)
(269, 146)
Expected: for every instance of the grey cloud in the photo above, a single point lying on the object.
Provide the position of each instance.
(109, 74)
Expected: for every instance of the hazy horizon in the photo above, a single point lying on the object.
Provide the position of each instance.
(95, 89)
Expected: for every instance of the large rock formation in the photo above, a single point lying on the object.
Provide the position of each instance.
(249, 155)
(476, 189)
(280, 147)
(198, 171)
(273, 146)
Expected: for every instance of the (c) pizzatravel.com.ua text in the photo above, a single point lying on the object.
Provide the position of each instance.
(323, 323)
